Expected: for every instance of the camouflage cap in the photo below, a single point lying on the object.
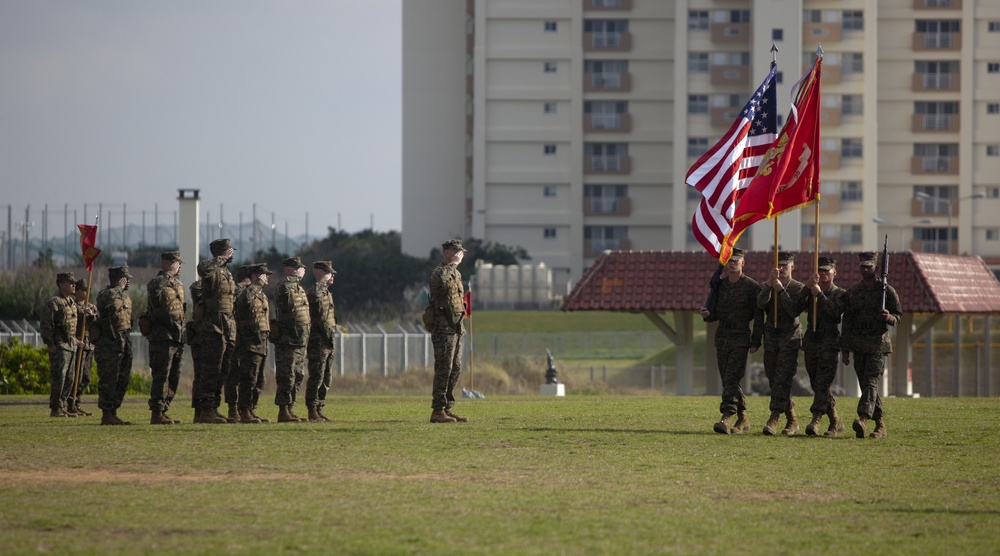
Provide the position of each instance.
(326, 266)
(784, 257)
(259, 268)
(172, 256)
(452, 245)
(243, 272)
(867, 258)
(219, 246)
(827, 263)
(65, 277)
(81, 285)
(116, 273)
(294, 262)
(737, 254)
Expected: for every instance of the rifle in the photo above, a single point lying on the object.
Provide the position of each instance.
(712, 303)
(885, 269)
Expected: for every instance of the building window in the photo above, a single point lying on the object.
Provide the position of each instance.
(598, 239)
(550, 149)
(853, 62)
(993, 108)
(698, 20)
(935, 157)
(935, 199)
(550, 67)
(936, 75)
(737, 16)
(697, 62)
(549, 233)
(851, 191)
(697, 146)
(850, 234)
(698, 104)
(550, 26)
(777, 35)
(993, 234)
(606, 3)
(605, 199)
(850, 148)
(808, 230)
(993, 67)
(993, 26)
(549, 108)
(993, 192)
(851, 105)
(992, 150)
(606, 74)
(853, 21)
(548, 191)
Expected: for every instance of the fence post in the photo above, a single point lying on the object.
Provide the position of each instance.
(340, 351)
(364, 353)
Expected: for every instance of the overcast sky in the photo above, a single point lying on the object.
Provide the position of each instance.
(290, 104)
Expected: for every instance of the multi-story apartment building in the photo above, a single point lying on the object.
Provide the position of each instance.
(567, 126)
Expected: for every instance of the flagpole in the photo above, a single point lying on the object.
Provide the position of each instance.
(82, 332)
(815, 255)
(472, 344)
(776, 266)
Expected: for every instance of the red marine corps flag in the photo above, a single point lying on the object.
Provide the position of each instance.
(88, 238)
(788, 176)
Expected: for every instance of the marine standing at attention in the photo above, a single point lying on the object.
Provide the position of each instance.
(321, 337)
(292, 307)
(58, 324)
(446, 297)
(113, 349)
(166, 308)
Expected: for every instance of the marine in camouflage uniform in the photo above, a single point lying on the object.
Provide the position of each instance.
(321, 336)
(252, 329)
(292, 308)
(865, 333)
(735, 340)
(782, 340)
(86, 312)
(166, 308)
(446, 298)
(113, 349)
(821, 344)
(215, 332)
(58, 324)
(231, 389)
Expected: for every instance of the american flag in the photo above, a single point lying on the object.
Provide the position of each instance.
(725, 171)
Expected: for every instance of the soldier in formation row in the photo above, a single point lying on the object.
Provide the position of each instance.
(863, 331)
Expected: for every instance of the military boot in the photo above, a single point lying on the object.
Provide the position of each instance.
(70, 408)
(174, 421)
(81, 411)
(285, 415)
(110, 417)
(722, 427)
(209, 416)
(292, 413)
(836, 425)
(319, 411)
(114, 412)
(159, 418)
(459, 418)
(314, 414)
(246, 416)
(742, 423)
(859, 426)
(234, 414)
(439, 416)
(253, 413)
(772, 424)
(215, 412)
(812, 429)
(791, 423)
(57, 412)
(879, 431)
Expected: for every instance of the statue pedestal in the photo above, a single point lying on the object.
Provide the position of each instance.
(552, 390)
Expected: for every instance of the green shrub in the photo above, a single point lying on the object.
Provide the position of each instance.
(24, 369)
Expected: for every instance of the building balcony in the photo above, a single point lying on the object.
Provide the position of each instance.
(932, 207)
(730, 75)
(825, 244)
(602, 123)
(597, 82)
(724, 116)
(607, 5)
(621, 164)
(935, 122)
(934, 165)
(931, 81)
(822, 32)
(594, 247)
(830, 115)
(730, 33)
(829, 160)
(934, 245)
(607, 206)
(937, 41)
(937, 4)
(607, 42)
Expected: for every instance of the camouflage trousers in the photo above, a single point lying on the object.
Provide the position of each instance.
(320, 374)
(114, 367)
(780, 366)
(86, 367)
(447, 368)
(231, 389)
(211, 354)
(289, 372)
(869, 368)
(732, 358)
(165, 357)
(821, 364)
(251, 368)
(59, 371)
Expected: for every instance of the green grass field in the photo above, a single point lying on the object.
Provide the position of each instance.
(578, 475)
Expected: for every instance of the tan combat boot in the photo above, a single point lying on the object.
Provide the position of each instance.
(459, 418)
(439, 416)
(859, 426)
(771, 426)
(292, 413)
(159, 418)
(215, 412)
(836, 425)
(234, 414)
(319, 411)
(791, 425)
(285, 415)
(879, 431)
(110, 417)
(742, 423)
(56, 412)
(209, 416)
(81, 411)
(246, 416)
(722, 427)
(175, 421)
(253, 413)
(812, 429)
(314, 414)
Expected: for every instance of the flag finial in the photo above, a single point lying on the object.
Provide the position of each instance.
(774, 54)
(819, 50)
